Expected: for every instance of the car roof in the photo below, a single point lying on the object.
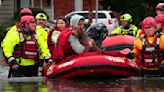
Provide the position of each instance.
(88, 11)
(76, 12)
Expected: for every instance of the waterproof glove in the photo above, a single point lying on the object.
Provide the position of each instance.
(12, 60)
(13, 63)
(48, 60)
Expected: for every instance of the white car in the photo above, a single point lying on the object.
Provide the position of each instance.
(105, 17)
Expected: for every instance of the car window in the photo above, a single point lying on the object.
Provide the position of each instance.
(85, 15)
(68, 17)
(111, 14)
(100, 15)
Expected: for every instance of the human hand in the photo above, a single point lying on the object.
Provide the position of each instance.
(14, 64)
(48, 60)
(125, 51)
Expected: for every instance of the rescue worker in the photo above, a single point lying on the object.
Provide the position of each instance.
(23, 47)
(23, 12)
(41, 20)
(61, 24)
(149, 49)
(160, 23)
(160, 9)
(73, 41)
(126, 26)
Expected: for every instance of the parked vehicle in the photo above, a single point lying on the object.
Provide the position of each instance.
(105, 17)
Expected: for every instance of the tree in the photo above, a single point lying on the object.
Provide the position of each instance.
(139, 9)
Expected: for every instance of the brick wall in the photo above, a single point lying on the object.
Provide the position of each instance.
(62, 7)
(86, 4)
(36, 3)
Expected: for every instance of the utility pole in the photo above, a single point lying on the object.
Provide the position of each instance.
(18, 4)
(32, 3)
(90, 16)
(96, 13)
(40, 4)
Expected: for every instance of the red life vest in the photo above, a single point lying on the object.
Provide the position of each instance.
(49, 41)
(27, 48)
(150, 56)
(63, 48)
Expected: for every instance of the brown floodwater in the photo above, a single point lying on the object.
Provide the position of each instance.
(40, 84)
(118, 85)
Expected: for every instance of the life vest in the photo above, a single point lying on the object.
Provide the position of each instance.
(49, 41)
(128, 31)
(63, 48)
(150, 56)
(26, 48)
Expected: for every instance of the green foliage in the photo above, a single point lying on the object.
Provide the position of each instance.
(6, 26)
(139, 9)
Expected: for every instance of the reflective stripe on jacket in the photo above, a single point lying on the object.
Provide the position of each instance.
(27, 48)
(133, 30)
(12, 38)
(147, 52)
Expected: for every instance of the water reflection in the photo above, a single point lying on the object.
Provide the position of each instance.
(121, 85)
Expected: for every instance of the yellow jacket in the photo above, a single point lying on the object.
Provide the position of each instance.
(39, 29)
(138, 45)
(12, 38)
(43, 33)
(121, 30)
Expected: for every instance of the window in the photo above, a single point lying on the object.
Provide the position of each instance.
(112, 16)
(100, 15)
(85, 15)
(48, 3)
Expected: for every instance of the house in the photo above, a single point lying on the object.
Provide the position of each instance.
(53, 8)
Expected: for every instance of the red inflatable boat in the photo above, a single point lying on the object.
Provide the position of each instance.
(95, 66)
(113, 44)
